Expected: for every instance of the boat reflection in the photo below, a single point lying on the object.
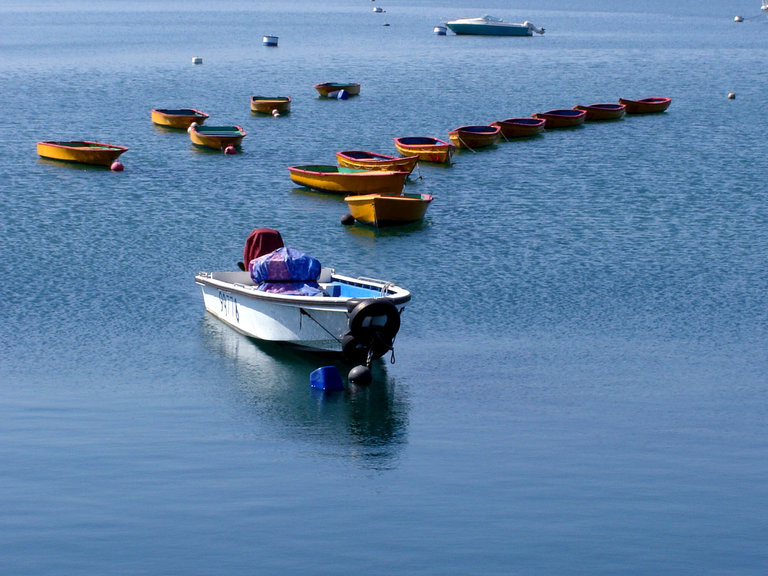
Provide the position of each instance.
(364, 423)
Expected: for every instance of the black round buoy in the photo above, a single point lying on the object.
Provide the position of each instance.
(731, 95)
(347, 219)
(360, 375)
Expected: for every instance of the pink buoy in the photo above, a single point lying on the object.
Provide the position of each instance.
(230, 150)
(116, 166)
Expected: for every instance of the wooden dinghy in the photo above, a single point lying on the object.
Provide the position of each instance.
(265, 105)
(562, 118)
(388, 210)
(597, 112)
(428, 149)
(216, 137)
(652, 105)
(520, 127)
(327, 89)
(80, 151)
(180, 118)
(363, 160)
(473, 137)
(340, 180)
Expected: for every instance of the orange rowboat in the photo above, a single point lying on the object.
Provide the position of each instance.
(646, 105)
(362, 160)
(217, 137)
(388, 210)
(520, 127)
(340, 180)
(562, 118)
(325, 89)
(81, 151)
(428, 149)
(471, 137)
(177, 117)
(264, 105)
(603, 111)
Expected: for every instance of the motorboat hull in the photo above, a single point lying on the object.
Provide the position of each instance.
(653, 105)
(472, 137)
(81, 152)
(428, 149)
(383, 210)
(520, 127)
(180, 118)
(321, 323)
(340, 180)
(485, 27)
(361, 160)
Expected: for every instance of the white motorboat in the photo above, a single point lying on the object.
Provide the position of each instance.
(356, 316)
(764, 7)
(492, 26)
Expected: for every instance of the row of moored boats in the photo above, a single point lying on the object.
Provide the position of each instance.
(283, 295)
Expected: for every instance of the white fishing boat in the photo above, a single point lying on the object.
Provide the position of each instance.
(492, 26)
(286, 296)
(764, 7)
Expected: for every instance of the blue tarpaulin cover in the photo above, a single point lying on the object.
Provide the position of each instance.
(286, 271)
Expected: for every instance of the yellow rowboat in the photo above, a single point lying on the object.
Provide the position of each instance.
(81, 151)
(264, 105)
(388, 210)
(217, 137)
(475, 136)
(362, 160)
(326, 89)
(340, 180)
(426, 148)
(177, 117)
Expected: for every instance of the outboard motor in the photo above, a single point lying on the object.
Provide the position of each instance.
(533, 28)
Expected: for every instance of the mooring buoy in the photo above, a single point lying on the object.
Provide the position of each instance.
(360, 375)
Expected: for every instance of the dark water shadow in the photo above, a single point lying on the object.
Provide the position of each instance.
(367, 424)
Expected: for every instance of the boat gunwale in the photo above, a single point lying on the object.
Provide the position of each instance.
(435, 142)
(181, 113)
(84, 145)
(342, 170)
(395, 294)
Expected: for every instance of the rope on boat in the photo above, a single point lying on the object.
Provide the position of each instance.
(465, 145)
(305, 313)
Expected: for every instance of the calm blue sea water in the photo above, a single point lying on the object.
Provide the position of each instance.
(580, 385)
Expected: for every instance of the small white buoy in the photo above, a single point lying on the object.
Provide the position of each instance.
(342, 94)
(269, 40)
(738, 19)
(230, 150)
(731, 95)
(197, 60)
(116, 166)
(191, 127)
(275, 113)
(378, 10)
